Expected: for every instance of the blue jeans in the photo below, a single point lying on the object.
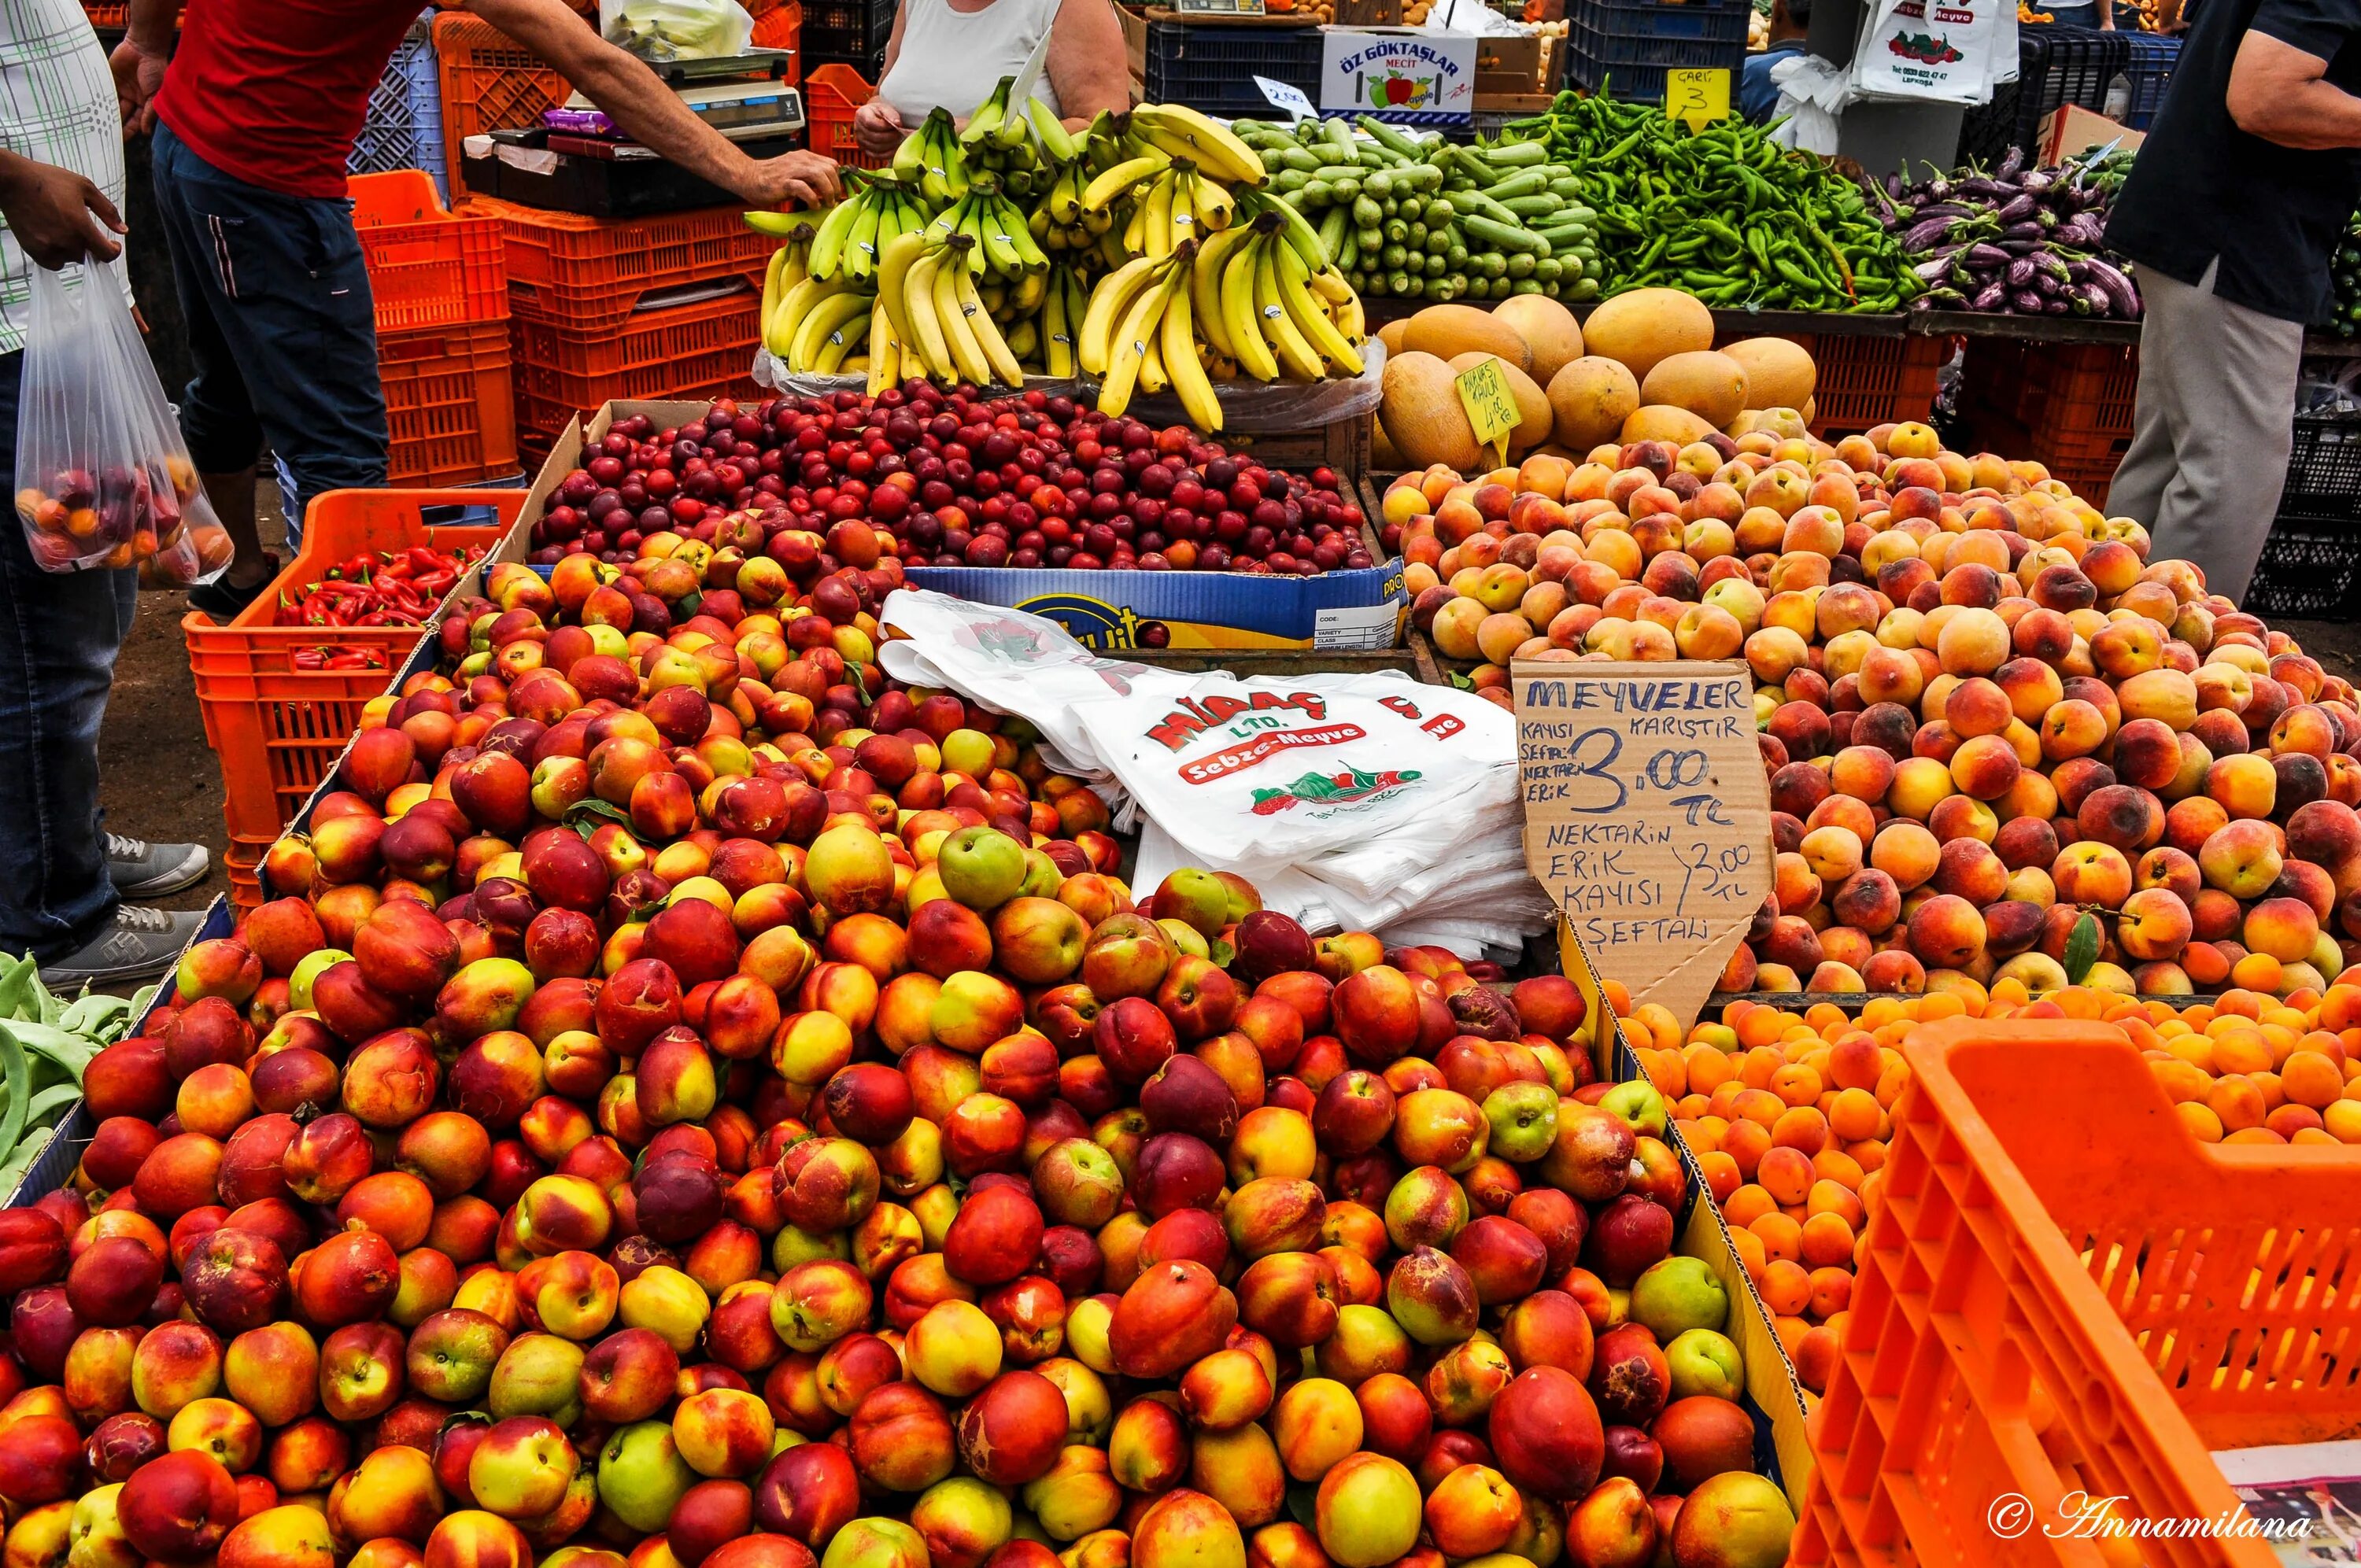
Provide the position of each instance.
(59, 635)
(280, 327)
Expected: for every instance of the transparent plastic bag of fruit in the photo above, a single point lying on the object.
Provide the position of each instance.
(103, 477)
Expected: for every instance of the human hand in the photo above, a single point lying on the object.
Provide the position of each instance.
(56, 215)
(806, 177)
(877, 125)
(138, 77)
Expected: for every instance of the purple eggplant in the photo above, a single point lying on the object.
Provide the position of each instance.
(1986, 254)
(2124, 297)
(2020, 273)
(2024, 231)
(2026, 302)
(2099, 301)
(2017, 209)
(1925, 235)
(2011, 164)
(1990, 297)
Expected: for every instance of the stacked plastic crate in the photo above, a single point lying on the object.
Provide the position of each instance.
(441, 333)
(404, 129)
(667, 306)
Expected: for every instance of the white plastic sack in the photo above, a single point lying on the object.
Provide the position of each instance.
(677, 29)
(1931, 50)
(1813, 93)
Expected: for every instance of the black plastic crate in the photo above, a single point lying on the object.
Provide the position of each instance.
(2151, 72)
(847, 32)
(1211, 67)
(1625, 47)
(2324, 470)
(2055, 66)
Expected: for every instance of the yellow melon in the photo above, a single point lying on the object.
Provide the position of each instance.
(1589, 400)
(1447, 330)
(1662, 421)
(1391, 335)
(1420, 410)
(1534, 418)
(1548, 328)
(1779, 371)
(1383, 458)
(1647, 325)
(1710, 386)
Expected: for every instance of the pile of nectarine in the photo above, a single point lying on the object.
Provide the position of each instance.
(693, 1105)
(1982, 709)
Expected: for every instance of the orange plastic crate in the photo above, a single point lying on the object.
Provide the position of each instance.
(831, 93)
(1868, 381)
(243, 860)
(2064, 1291)
(428, 266)
(2079, 392)
(698, 350)
(781, 26)
(491, 82)
(277, 729)
(596, 273)
(450, 405)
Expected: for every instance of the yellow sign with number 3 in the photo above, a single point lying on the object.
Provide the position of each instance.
(1700, 97)
(1491, 405)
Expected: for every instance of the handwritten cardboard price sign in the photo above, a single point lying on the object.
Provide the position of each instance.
(1491, 405)
(1700, 97)
(1647, 816)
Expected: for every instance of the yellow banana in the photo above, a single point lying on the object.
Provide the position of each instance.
(1109, 301)
(1184, 223)
(1056, 334)
(1181, 366)
(849, 336)
(1101, 192)
(1214, 204)
(894, 278)
(823, 320)
(773, 286)
(1025, 341)
(966, 353)
(1152, 381)
(1295, 356)
(926, 339)
(1238, 317)
(997, 357)
(884, 349)
(1217, 149)
(1205, 287)
(1131, 346)
(779, 333)
(1155, 217)
(1309, 318)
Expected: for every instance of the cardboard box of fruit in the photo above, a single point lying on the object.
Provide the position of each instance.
(1336, 606)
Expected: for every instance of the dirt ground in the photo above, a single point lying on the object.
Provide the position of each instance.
(159, 781)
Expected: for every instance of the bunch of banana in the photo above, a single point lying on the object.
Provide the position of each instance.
(791, 263)
(1024, 142)
(1138, 333)
(857, 230)
(937, 322)
(817, 326)
(1177, 131)
(932, 158)
(1179, 204)
(1003, 244)
(1059, 221)
(1064, 304)
(1264, 309)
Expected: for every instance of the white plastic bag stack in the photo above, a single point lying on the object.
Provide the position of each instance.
(1364, 802)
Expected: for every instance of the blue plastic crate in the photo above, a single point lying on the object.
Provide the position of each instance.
(404, 129)
(1625, 47)
(2149, 73)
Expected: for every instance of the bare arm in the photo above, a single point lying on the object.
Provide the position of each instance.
(2279, 92)
(2106, 16)
(1086, 62)
(877, 125)
(647, 111)
(139, 61)
(57, 216)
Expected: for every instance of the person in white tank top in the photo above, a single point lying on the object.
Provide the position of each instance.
(951, 53)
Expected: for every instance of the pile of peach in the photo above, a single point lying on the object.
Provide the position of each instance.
(1787, 1114)
(688, 1102)
(1982, 710)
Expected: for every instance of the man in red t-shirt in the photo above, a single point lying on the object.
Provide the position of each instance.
(255, 109)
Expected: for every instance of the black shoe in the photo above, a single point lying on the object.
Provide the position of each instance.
(138, 945)
(222, 600)
(141, 870)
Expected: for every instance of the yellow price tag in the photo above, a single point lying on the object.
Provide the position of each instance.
(1700, 97)
(1491, 405)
